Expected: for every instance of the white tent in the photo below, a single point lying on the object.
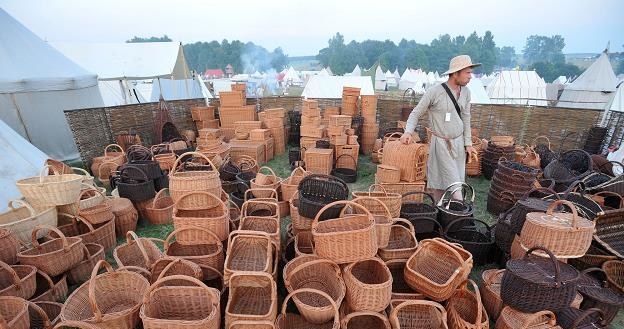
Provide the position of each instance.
(19, 159)
(180, 89)
(414, 79)
(324, 73)
(380, 79)
(616, 103)
(518, 87)
(357, 71)
(292, 77)
(390, 80)
(121, 92)
(396, 75)
(478, 95)
(561, 80)
(329, 70)
(37, 83)
(331, 87)
(593, 88)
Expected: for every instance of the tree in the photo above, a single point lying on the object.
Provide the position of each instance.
(506, 57)
(488, 53)
(278, 59)
(619, 68)
(545, 49)
(551, 71)
(135, 39)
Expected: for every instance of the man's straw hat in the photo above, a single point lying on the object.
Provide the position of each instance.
(459, 63)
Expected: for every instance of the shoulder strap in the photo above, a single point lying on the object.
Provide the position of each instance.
(450, 94)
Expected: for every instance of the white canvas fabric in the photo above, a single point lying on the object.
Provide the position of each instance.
(478, 95)
(518, 87)
(37, 83)
(593, 88)
(179, 89)
(357, 71)
(331, 87)
(20, 159)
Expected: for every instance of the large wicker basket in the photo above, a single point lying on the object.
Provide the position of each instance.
(17, 280)
(23, 219)
(201, 209)
(55, 256)
(140, 252)
(248, 251)
(369, 285)
(52, 190)
(296, 321)
(180, 183)
(205, 248)
(253, 297)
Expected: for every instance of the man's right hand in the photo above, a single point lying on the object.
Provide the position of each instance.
(406, 138)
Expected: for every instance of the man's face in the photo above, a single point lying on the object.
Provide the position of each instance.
(463, 77)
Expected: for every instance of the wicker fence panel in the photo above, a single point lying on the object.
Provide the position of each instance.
(91, 131)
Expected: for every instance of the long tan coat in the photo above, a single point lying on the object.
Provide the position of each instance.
(444, 167)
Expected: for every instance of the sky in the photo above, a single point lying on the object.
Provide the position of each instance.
(303, 28)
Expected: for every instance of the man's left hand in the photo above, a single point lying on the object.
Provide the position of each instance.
(470, 151)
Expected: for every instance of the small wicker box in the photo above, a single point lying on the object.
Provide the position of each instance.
(309, 131)
(352, 140)
(338, 140)
(202, 113)
(388, 174)
(350, 131)
(351, 150)
(255, 150)
(311, 121)
(310, 103)
(231, 98)
(333, 110)
(319, 161)
(207, 124)
(230, 115)
(209, 133)
(273, 123)
(335, 130)
(340, 120)
(275, 113)
(259, 135)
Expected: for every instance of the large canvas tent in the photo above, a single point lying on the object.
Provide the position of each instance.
(118, 65)
(331, 87)
(518, 87)
(37, 83)
(593, 88)
(380, 79)
(19, 160)
(478, 95)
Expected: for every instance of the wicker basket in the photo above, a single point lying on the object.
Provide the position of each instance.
(117, 157)
(204, 248)
(614, 270)
(589, 318)
(565, 235)
(140, 252)
(55, 256)
(268, 225)
(465, 309)
(253, 297)
(9, 246)
(364, 319)
(93, 253)
(383, 218)
(102, 234)
(90, 197)
(49, 290)
(193, 307)
(290, 184)
(388, 174)
(247, 251)
(436, 269)
(160, 211)
(114, 299)
(402, 241)
(126, 216)
(490, 292)
(170, 266)
(391, 200)
(296, 321)
(44, 314)
(347, 239)
(418, 314)
(17, 280)
(52, 190)
(514, 319)
(20, 221)
(299, 223)
(180, 183)
(14, 313)
(369, 285)
(201, 209)
(411, 159)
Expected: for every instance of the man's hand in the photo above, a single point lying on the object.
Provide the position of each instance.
(406, 138)
(470, 151)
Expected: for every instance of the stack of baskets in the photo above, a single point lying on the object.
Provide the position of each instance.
(510, 182)
(492, 154)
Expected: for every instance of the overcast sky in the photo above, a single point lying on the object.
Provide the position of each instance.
(303, 27)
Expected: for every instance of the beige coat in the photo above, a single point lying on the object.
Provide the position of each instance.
(444, 167)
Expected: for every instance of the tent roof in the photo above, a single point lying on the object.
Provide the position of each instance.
(19, 159)
(517, 87)
(356, 71)
(617, 102)
(379, 74)
(478, 95)
(331, 86)
(598, 77)
(27, 63)
(134, 61)
(292, 75)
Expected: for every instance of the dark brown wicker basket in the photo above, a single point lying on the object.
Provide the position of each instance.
(316, 191)
(596, 294)
(573, 318)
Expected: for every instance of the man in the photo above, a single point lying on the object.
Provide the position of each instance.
(448, 108)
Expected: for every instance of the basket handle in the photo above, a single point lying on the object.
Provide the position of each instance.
(127, 166)
(16, 279)
(299, 171)
(489, 279)
(22, 203)
(595, 269)
(410, 226)
(310, 263)
(552, 258)
(418, 192)
(46, 278)
(349, 155)
(260, 189)
(207, 194)
(146, 297)
(540, 189)
(92, 301)
(269, 169)
(391, 135)
(612, 163)
(90, 188)
(541, 137)
(318, 292)
(457, 220)
(315, 221)
(42, 314)
(105, 165)
(86, 222)
(270, 205)
(588, 312)
(461, 187)
(158, 196)
(552, 320)
(35, 243)
(554, 204)
(609, 193)
(383, 205)
(435, 222)
(395, 312)
(345, 321)
(131, 238)
(167, 242)
(473, 156)
(74, 324)
(375, 186)
(136, 269)
(85, 252)
(176, 164)
(82, 171)
(112, 145)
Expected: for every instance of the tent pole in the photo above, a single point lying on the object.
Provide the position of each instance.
(19, 116)
(123, 91)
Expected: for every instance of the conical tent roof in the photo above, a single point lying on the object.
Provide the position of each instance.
(617, 102)
(357, 71)
(37, 83)
(593, 88)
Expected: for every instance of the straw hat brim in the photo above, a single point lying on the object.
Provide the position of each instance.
(461, 68)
